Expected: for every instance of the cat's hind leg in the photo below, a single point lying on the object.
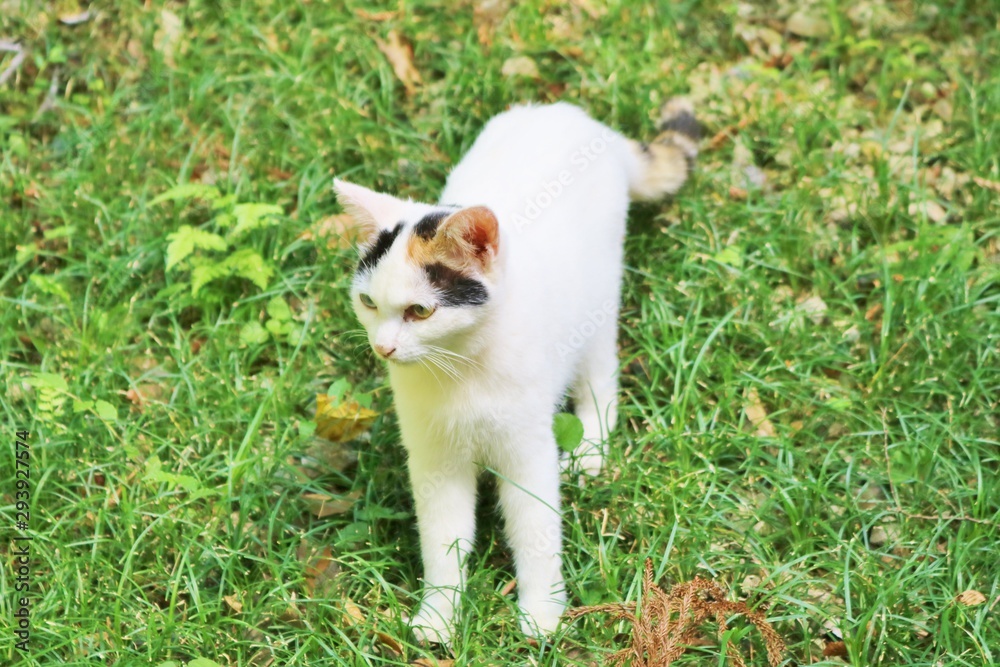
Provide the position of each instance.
(595, 395)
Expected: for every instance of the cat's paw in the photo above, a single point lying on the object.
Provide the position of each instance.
(541, 617)
(432, 622)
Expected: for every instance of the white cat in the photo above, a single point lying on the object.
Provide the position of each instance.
(489, 308)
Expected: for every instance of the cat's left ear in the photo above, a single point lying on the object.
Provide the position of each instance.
(471, 236)
(372, 211)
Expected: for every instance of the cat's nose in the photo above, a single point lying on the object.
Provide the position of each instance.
(384, 351)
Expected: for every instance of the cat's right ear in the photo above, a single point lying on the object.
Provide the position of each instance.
(372, 211)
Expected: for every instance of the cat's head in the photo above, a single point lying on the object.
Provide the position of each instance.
(428, 275)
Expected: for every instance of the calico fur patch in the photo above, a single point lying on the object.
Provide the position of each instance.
(455, 288)
(379, 248)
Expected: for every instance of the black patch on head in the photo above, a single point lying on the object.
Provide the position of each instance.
(455, 288)
(428, 224)
(683, 123)
(377, 251)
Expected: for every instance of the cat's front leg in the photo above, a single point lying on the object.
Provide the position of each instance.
(529, 496)
(444, 491)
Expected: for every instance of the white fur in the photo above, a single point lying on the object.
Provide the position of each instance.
(558, 183)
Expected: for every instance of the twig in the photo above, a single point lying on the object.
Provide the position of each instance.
(50, 96)
(20, 53)
(960, 517)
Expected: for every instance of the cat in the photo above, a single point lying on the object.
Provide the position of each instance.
(489, 308)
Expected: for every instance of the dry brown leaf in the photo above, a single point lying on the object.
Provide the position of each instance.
(738, 194)
(354, 613)
(262, 658)
(144, 393)
(324, 504)
(378, 17)
(970, 598)
(430, 662)
(341, 422)
(983, 183)
(340, 230)
(757, 414)
(934, 211)
(168, 35)
(324, 455)
(320, 568)
(814, 308)
(486, 16)
(400, 56)
(874, 313)
(807, 24)
(233, 603)
(389, 642)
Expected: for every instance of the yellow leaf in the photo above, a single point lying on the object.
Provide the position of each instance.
(233, 602)
(341, 422)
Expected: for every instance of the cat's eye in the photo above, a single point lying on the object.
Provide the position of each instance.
(366, 300)
(417, 311)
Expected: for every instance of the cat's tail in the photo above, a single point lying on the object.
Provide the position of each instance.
(663, 164)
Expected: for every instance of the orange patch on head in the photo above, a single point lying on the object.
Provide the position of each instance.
(468, 239)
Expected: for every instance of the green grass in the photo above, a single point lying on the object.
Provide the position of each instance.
(881, 393)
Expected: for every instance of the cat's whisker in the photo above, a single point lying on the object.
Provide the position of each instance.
(443, 363)
(456, 356)
(430, 369)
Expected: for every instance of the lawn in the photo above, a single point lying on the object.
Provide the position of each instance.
(810, 331)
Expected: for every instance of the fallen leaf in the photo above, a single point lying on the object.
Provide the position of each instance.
(233, 603)
(389, 642)
(486, 16)
(354, 613)
(970, 598)
(341, 422)
(325, 504)
(934, 211)
(375, 16)
(400, 56)
(805, 24)
(339, 230)
(143, 393)
(262, 658)
(431, 662)
(327, 455)
(983, 183)
(168, 36)
(520, 66)
(757, 414)
(74, 19)
(320, 569)
(874, 313)
(814, 308)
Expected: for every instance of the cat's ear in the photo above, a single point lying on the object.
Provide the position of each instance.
(471, 236)
(372, 211)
